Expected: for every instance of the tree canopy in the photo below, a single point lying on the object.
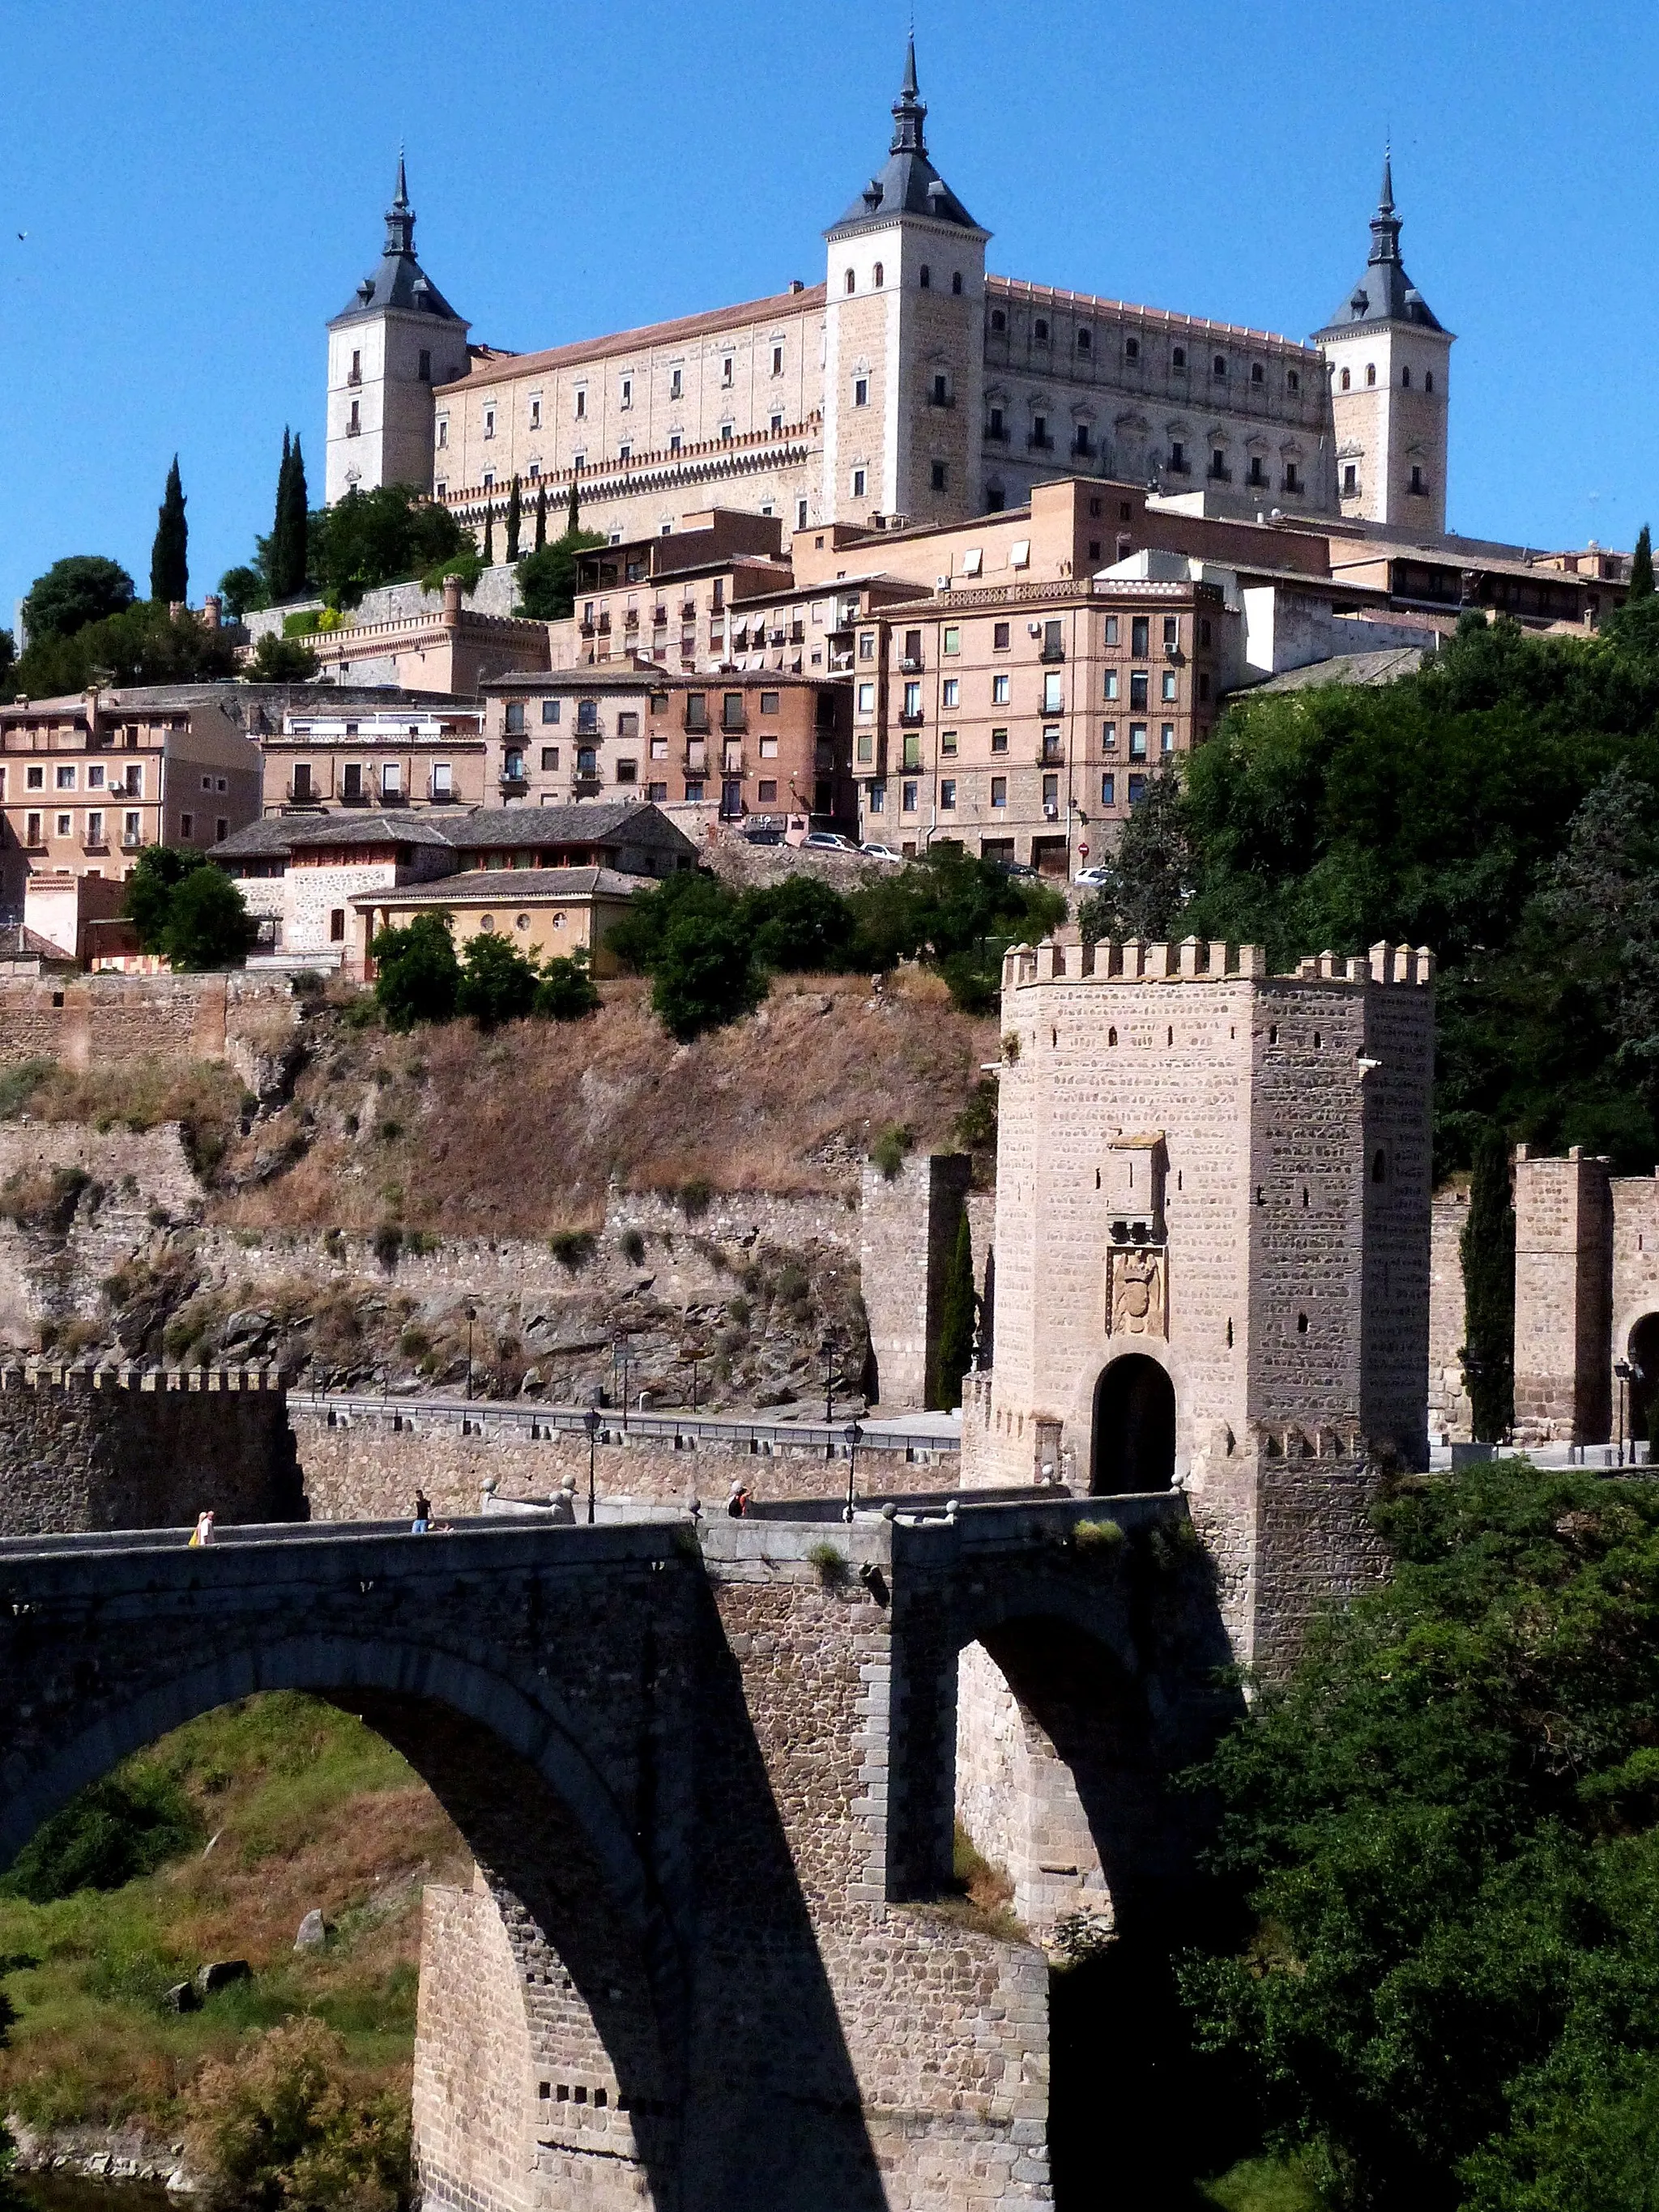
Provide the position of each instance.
(547, 578)
(1460, 809)
(1447, 1827)
(185, 908)
(169, 558)
(143, 645)
(379, 537)
(82, 588)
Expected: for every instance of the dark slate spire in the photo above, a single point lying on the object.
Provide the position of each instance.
(909, 184)
(399, 280)
(1384, 294)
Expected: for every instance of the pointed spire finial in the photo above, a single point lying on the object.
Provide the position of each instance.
(1385, 223)
(400, 198)
(1385, 206)
(909, 110)
(400, 216)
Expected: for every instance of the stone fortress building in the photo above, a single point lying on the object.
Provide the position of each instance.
(1212, 1249)
(910, 384)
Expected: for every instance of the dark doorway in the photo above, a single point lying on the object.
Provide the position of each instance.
(1135, 1427)
(1643, 1356)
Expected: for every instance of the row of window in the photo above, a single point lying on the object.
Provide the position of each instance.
(93, 832)
(1417, 484)
(303, 785)
(1083, 340)
(1053, 742)
(849, 283)
(129, 779)
(733, 712)
(1345, 379)
(624, 397)
(953, 794)
(586, 756)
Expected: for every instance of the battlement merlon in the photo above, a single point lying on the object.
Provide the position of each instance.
(1066, 957)
(48, 1374)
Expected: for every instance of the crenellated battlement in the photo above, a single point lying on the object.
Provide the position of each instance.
(1066, 957)
(41, 1374)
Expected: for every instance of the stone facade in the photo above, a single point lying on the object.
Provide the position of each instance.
(1449, 1411)
(244, 1020)
(908, 1236)
(1212, 1249)
(93, 1448)
(1563, 1292)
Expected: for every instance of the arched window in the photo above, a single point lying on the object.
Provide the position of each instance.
(879, 274)
(1406, 378)
(926, 278)
(1370, 372)
(1086, 340)
(956, 282)
(1379, 1165)
(1428, 379)
(1257, 373)
(852, 281)
(1346, 380)
(1039, 330)
(1221, 364)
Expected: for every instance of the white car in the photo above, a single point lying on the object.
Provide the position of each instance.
(1091, 880)
(827, 840)
(882, 852)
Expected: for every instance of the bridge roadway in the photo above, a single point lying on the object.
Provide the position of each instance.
(709, 1778)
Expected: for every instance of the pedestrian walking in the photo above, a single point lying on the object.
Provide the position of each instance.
(422, 1524)
(564, 1505)
(203, 1532)
(737, 1503)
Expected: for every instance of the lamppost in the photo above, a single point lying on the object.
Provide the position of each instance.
(854, 1436)
(472, 1315)
(591, 1423)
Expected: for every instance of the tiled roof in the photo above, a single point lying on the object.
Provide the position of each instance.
(1368, 670)
(648, 334)
(590, 822)
(510, 887)
(283, 833)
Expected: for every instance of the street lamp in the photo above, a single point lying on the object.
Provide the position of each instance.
(1628, 1372)
(472, 1315)
(854, 1436)
(591, 1423)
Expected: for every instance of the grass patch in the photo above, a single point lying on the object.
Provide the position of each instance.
(1263, 2184)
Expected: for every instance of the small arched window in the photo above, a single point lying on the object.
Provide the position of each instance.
(1039, 330)
(1370, 372)
(1178, 357)
(1346, 380)
(851, 281)
(1379, 1165)
(999, 319)
(1406, 378)
(879, 274)
(1111, 1037)
(1086, 340)
(1428, 379)
(1220, 368)
(1257, 373)
(956, 282)
(926, 278)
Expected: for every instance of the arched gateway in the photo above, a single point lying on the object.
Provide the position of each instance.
(1134, 1434)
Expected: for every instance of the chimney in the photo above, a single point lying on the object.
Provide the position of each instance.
(452, 600)
(797, 284)
(212, 608)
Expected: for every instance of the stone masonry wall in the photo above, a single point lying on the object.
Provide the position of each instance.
(907, 1233)
(1563, 1292)
(472, 2060)
(1449, 1411)
(96, 1019)
(85, 1449)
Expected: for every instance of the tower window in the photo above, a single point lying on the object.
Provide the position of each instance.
(1039, 331)
(777, 361)
(1346, 380)
(1293, 379)
(628, 392)
(677, 384)
(859, 481)
(878, 276)
(955, 283)
(536, 412)
(1178, 358)
(1428, 379)
(938, 475)
(1219, 367)
(926, 278)
(355, 426)
(443, 430)
(860, 391)
(425, 370)
(1132, 349)
(849, 283)
(725, 369)
(581, 403)
(1350, 481)
(1406, 378)
(1370, 372)
(1256, 374)
(999, 319)
(1417, 482)
(1086, 340)
(490, 421)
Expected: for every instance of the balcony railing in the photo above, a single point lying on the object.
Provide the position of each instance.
(511, 781)
(695, 723)
(354, 376)
(996, 434)
(1052, 652)
(941, 399)
(1040, 442)
(911, 719)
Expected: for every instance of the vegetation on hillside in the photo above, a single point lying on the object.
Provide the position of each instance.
(1501, 807)
(183, 907)
(142, 644)
(213, 1844)
(420, 978)
(1447, 1828)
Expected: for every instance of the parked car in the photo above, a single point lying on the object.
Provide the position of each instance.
(1091, 880)
(762, 837)
(882, 852)
(1015, 868)
(827, 840)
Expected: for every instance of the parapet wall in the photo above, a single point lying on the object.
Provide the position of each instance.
(90, 1448)
(1066, 957)
(94, 1020)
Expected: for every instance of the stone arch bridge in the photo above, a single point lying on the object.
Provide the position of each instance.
(709, 1787)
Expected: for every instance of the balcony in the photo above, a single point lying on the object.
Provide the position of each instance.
(586, 627)
(911, 663)
(1083, 449)
(1052, 652)
(1040, 442)
(734, 725)
(996, 434)
(354, 377)
(357, 798)
(696, 724)
(1176, 466)
(1051, 756)
(353, 428)
(302, 792)
(946, 399)
(584, 787)
(912, 720)
(1216, 473)
(513, 785)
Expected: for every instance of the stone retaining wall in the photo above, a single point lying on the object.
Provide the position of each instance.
(96, 1019)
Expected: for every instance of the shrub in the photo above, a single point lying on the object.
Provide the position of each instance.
(1101, 1536)
(831, 1565)
(547, 580)
(631, 1245)
(801, 924)
(129, 1823)
(497, 983)
(418, 975)
(19, 1084)
(277, 2130)
(891, 1151)
(696, 1198)
(379, 537)
(282, 660)
(573, 1247)
(45, 1199)
(704, 974)
(566, 992)
(387, 1244)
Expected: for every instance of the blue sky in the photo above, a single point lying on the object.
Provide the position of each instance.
(203, 186)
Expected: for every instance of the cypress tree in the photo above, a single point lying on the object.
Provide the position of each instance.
(490, 538)
(541, 516)
(1487, 1246)
(296, 540)
(956, 1333)
(1641, 567)
(571, 522)
(276, 557)
(514, 518)
(169, 567)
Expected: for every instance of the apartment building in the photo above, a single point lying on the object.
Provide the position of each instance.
(86, 783)
(1023, 721)
(737, 748)
(397, 755)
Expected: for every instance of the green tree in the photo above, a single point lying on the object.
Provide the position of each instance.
(1487, 1246)
(380, 537)
(489, 535)
(801, 924)
(540, 515)
(1149, 876)
(1444, 1828)
(282, 660)
(416, 975)
(126, 1825)
(7, 661)
(243, 590)
(546, 579)
(147, 899)
(566, 991)
(956, 1331)
(147, 644)
(514, 518)
(278, 560)
(956, 910)
(296, 530)
(497, 982)
(207, 923)
(573, 521)
(639, 937)
(82, 588)
(1641, 566)
(705, 974)
(169, 560)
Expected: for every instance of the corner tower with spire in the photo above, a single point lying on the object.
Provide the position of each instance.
(904, 354)
(393, 341)
(1390, 360)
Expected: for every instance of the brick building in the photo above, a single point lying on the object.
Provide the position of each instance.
(348, 754)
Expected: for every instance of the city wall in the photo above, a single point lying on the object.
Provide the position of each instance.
(92, 1021)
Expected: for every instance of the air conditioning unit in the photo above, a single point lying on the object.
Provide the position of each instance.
(909, 663)
(1034, 629)
(1051, 810)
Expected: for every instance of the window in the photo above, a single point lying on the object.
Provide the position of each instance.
(489, 476)
(587, 761)
(858, 483)
(996, 428)
(1350, 481)
(1293, 480)
(587, 714)
(860, 391)
(513, 723)
(1108, 789)
(351, 785)
(999, 319)
(1177, 457)
(941, 389)
(221, 829)
(952, 638)
(731, 715)
(768, 702)
(999, 790)
(657, 792)
(1428, 379)
(913, 701)
(767, 791)
(34, 776)
(950, 692)
(1052, 702)
(302, 789)
(1417, 484)
(908, 798)
(1111, 683)
(1406, 379)
(777, 424)
(581, 403)
(443, 430)
(33, 836)
(625, 451)
(1218, 468)
(1219, 368)
(1085, 340)
(999, 741)
(878, 276)
(867, 645)
(628, 771)
(131, 833)
(996, 497)
(1137, 688)
(1039, 331)
(357, 374)
(95, 830)
(355, 425)
(337, 925)
(65, 777)
(1345, 381)
(956, 282)
(1136, 741)
(925, 277)
(947, 794)
(442, 785)
(187, 824)
(1178, 357)
(1254, 475)
(391, 780)
(694, 790)
(1109, 737)
(1051, 796)
(849, 283)
(628, 392)
(1293, 379)
(939, 475)
(1140, 635)
(947, 742)
(490, 423)
(999, 636)
(1109, 635)
(800, 514)
(1167, 684)
(999, 690)
(677, 384)
(95, 777)
(725, 369)
(769, 748)
(1256, 376)
(1370, 372)
(1137, 789)
(1166, 738)
(628, 726)
(876, 797)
